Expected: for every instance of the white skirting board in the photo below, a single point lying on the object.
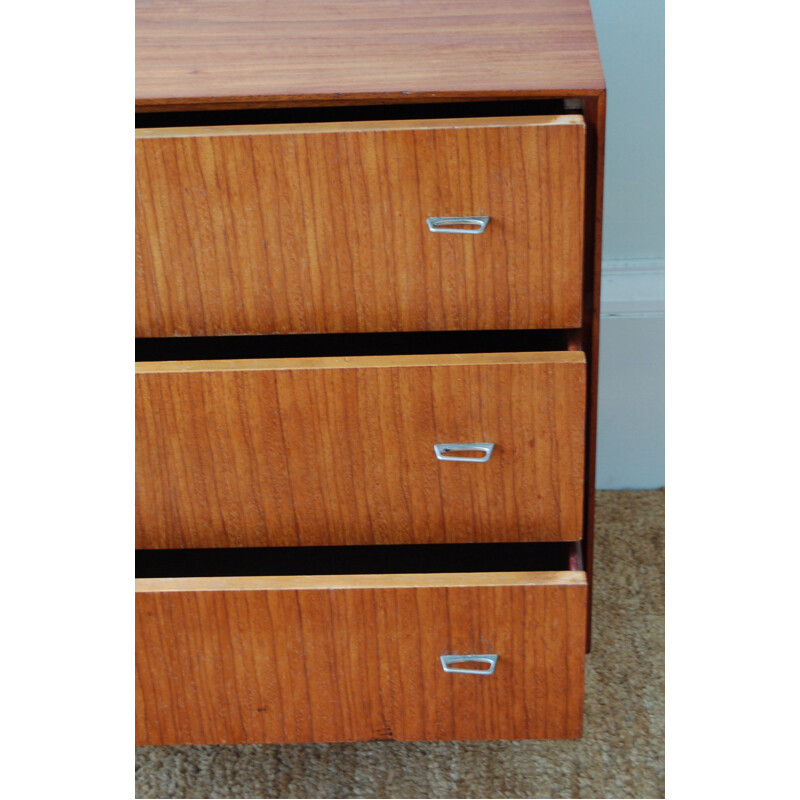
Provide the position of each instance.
(630, 413)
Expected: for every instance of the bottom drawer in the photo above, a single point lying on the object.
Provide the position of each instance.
(356, 654)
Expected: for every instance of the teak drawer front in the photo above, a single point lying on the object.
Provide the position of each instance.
(348, 658)
(340, 451)
(322, 227)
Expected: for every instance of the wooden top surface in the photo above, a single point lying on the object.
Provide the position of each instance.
(238, 53)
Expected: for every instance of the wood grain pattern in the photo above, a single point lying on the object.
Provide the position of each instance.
(322, 228)
(321, 666)
(359, 362)
(239, 583)
(207, 54)
(284, 456)
(355, 126)
(595, 111)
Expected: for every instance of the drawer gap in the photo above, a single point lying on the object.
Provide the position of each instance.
(312, 345)
(362, 113)
(359, 560)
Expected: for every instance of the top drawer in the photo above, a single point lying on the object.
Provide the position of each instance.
(324, 227)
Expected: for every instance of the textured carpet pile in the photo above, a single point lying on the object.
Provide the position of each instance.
(620, 756)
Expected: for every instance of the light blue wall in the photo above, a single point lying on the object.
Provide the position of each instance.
(631, 38)
(630, 426)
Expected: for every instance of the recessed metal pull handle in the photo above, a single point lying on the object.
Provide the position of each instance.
(486, 658)
(444, 451)
(444, 224)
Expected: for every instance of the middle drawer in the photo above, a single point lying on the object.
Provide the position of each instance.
(345, 451)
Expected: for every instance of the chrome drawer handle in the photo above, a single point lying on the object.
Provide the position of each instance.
(440, 224)
(489, 659)
(442, 451)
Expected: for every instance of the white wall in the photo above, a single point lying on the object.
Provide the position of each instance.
(630, 426)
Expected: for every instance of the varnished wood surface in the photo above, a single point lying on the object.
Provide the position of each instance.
(595, 110)
(359, 362)
(317, 665)
(295, 456)
(209, 54)
(239, 583)
(355, 126)
(322, 228)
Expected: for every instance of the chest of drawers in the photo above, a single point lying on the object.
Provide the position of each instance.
(367, 278)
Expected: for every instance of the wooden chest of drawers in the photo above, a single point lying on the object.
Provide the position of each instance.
(367, 277)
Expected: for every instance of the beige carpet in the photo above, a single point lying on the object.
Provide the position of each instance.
(621, 754)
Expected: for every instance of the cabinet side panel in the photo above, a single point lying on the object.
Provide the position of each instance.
(595, 114)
